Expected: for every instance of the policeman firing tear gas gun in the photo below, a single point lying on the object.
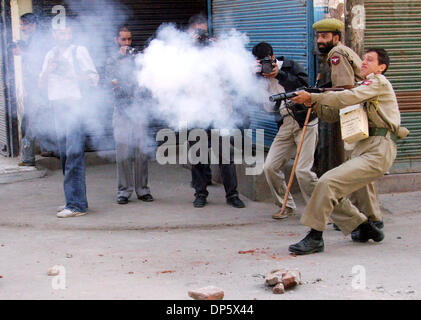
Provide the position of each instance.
(335, 196)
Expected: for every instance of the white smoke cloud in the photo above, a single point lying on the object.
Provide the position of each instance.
(206, 86)
(201, 85)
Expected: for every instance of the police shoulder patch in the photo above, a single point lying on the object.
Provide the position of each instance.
(335, 60)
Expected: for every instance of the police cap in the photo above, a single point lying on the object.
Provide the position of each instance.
(329, 25)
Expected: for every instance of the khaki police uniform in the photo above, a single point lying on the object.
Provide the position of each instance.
(370, 159)
(283, 148)
(345, 66)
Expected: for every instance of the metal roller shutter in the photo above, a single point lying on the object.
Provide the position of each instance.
(4, 141)
(143, 18)
(285, 24)
(9, 144)
(396, 26)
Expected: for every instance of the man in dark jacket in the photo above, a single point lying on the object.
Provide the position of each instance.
(287, 75)
(35, 122)
(128, 121)
(201, 172)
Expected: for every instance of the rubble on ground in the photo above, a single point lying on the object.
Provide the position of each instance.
(207, 293)
(53, 271)
(279, 288)
(281, 279)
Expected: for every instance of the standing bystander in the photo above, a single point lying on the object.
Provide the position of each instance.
(129, 121)
(68, 69)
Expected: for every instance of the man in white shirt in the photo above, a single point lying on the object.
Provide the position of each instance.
(66, 70)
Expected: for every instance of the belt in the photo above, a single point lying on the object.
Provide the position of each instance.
(383, 132)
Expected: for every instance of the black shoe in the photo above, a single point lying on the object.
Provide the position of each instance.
(367, 231)
(122, 200)
(308, 245)
(236, 202)
(146, 198)
(379, 224)
(355, 235)
(199, 202)
(336, 227)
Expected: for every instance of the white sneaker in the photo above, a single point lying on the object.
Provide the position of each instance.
(61, 208)
(68, 213)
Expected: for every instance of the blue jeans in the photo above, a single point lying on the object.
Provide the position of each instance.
(71, 143)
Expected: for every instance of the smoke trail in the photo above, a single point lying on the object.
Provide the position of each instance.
(203, 85)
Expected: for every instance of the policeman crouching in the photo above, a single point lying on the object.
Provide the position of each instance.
(371, 158)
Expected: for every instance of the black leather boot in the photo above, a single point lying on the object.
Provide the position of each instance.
(379, 224)
(312, 243)
(367, 231)
(355, 235)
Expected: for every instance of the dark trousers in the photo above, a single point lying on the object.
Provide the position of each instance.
(200, 179)
(200, 175)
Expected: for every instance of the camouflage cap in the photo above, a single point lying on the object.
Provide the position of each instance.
(329, 25)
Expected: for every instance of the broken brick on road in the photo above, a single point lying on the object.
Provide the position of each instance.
(207, 293)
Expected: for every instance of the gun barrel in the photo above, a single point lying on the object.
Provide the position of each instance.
(285, 96)
(282, 96)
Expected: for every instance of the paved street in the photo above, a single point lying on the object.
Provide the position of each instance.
(162, 249)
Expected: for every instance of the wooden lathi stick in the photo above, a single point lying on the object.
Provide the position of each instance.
(291, 178)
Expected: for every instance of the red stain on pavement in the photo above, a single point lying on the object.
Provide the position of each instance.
(166, 271)
(247, 251)
(198, 263)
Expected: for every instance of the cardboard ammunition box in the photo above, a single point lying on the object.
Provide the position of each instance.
(354, 124)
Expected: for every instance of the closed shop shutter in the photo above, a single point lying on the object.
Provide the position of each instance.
(143, 18)
(396, 26)
(9, 144)
(4, 141)
(285, 24)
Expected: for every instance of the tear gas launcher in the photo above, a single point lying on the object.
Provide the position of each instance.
(288, 95)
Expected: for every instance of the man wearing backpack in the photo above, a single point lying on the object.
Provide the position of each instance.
(66, 70)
